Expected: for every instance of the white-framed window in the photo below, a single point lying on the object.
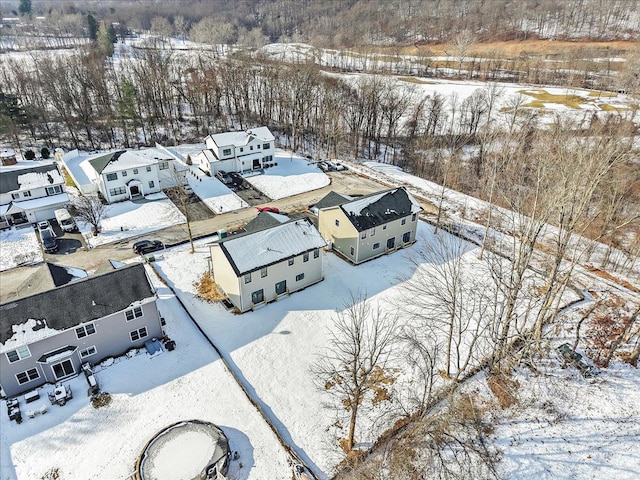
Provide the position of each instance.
(148, 168)
(124, 173)
(135, 171)
(85, 330)
(404, 220)
(372, 232)
(19, 353)
(15, 196)
(112, 176)
(163, 165)
(337, 222)
(87, 352)
(376, 245)
(413, 217)
(291, 261)
(117, 191)
(305, 257)
(241, 149)
(56, 189)
(132, 313)
(27, 376)
(265, 146)
(251, 148)
(138, 334)
(363, 235)
(406, 237)
(26, 194)
(316, 253)
(226, 152)
(299, 277)
(258, 146)
(152, 184)
(263, 272)
(353, 251)
(247, 277)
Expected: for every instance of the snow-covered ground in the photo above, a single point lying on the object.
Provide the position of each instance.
(19, 246)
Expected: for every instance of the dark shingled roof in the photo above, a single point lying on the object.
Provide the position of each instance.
(61, 275)
(332, 199)
(9, 178)
(101, 162)
(380, 208)
(78, 302)
(263, 220)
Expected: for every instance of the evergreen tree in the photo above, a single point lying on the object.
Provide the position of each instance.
(25, 7)
(92, 24)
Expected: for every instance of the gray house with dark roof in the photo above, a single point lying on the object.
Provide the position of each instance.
(366, 227)
(44, 338)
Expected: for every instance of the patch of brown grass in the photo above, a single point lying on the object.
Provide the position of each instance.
(504, 388)
(208, 289)
(101, 400)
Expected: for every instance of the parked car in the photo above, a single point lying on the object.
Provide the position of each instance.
(44, 225)
(49, 241)
(147, 246)
(337, 166)
(572, 357)
(324, 166)
(65, 220)
(268, 209)
(224, 177)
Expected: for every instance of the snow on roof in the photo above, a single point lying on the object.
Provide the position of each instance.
(135, 159)
(239, 139)
(31, 180)
(35, 203)
(7, 153)
(26, 333)
(251, 251)
(380, 208)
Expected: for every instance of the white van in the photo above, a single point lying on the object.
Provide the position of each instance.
(65, 220)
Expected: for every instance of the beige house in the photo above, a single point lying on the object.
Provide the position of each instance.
(258, 267)
(366, 227)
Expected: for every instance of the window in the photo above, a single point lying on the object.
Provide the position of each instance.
(291, 261)
(138, 334)
(152, 184)
(251, 148)
(384, 227)
(133, 313)
(148, 168)
(15, 196)
(247, 278)
(257, 296)
(135, 171)
(87, 352)
(337, 222)
(85, 330)
(163, 165)
(265, 146)
(263, 272)
(305, 257)
(258, 147)
(316, 253)
(26, 194)
(113, 176)
(54, 190)
(406, 237)
(63, 369)
(18, 354)
(281, 287)
(376, 245)
(28, 376)
(363, 235)
(413, 217)
(404, 220)
(124, 173)
(353, 251)
(226, 152)
(241, 149)
(117, 191)
(299, 277)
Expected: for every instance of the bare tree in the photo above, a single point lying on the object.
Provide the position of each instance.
(357, 362)
(91, 209)
(180, 193)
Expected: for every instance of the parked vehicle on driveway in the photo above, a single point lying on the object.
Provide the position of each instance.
(65, 220)
(49, 241)
(147, 246)
(224, 177)
(268, 209)
(44, 225)
(324, 166)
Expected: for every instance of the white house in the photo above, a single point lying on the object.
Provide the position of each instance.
(237, 151)
(122, 174)
(261, 266)
(30, 191)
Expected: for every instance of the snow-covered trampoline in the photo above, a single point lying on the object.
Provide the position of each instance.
(185, 450)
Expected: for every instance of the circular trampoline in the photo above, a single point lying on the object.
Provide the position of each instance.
(186, 450)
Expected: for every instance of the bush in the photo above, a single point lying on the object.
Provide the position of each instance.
(101, 400)
(29, 155)
(208, 289)
(189, 161)
(44, 152)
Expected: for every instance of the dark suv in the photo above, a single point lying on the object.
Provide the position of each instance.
(147, 246)
(49, 242)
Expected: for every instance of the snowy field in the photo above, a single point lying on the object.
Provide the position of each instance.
(19, 246)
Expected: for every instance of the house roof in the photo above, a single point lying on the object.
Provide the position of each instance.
(63, 275)
(332, 199)
(380, 208)
(77, 302)
(9, 175)
(265, 220)
(251, 251)
(123, 159)
(239, 139)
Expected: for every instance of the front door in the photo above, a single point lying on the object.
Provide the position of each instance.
(257, 297)
(63, 369)
(281, 287)
(134, 190)
(391, 243)
(256, 164)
